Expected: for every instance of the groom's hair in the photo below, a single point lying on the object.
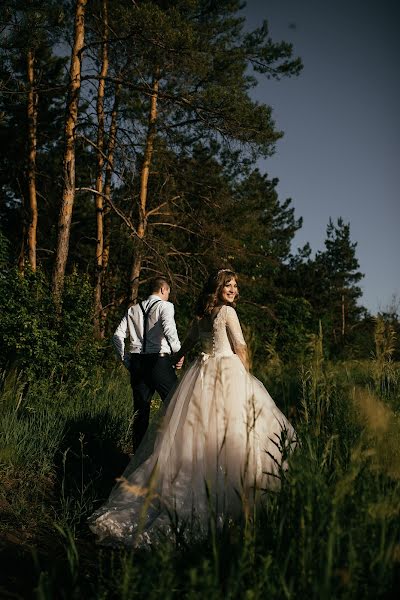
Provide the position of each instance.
(157, 283)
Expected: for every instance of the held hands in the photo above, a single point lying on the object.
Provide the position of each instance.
(176, 361)
(180, 363)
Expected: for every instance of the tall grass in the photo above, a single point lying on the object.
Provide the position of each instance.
(332, 531)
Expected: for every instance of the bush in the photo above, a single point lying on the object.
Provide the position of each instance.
(293, 328)
(33, 337)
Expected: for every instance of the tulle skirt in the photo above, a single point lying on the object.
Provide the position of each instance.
(222, 444)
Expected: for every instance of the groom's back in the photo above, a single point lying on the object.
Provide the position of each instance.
(152, 328)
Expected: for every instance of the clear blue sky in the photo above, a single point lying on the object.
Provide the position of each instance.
(340, 155)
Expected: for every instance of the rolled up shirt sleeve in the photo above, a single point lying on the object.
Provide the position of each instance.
(119, 337)
(169, 327)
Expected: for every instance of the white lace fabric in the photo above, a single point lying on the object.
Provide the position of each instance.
(217, 451)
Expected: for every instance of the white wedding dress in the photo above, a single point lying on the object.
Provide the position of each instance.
(221, 446)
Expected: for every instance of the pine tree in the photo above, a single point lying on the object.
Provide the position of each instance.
(69, 176)
(27, 65)
(187, 80)
(330, 284)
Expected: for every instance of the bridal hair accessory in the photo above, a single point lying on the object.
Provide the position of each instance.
(224, 270)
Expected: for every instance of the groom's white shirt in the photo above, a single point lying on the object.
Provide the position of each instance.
(161, 337)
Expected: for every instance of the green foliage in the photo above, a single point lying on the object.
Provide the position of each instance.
(4, 251)
(308, 540)
(337, 270)
(204, 57)
(25, 31)
(34, 337)
(207, 204)
(79, 351)
(329, 282)
(293, 328)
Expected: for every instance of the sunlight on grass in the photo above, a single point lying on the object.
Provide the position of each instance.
(331, 531)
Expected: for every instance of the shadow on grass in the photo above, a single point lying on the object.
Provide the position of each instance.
(90, 458)
(34, 550)
(17, 573)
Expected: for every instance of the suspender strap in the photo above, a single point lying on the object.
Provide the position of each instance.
(146, 314)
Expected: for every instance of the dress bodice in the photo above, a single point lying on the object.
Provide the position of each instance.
(223, 336)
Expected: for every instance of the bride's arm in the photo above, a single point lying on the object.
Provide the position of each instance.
(190, 340)
(236, 336)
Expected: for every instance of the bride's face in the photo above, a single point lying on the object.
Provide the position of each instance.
(229, 291)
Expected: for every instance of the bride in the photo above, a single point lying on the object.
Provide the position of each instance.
(222, 443)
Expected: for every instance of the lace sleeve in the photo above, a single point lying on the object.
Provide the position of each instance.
(236, 335)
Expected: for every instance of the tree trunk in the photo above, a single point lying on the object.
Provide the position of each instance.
(99, 202)
(112, 138)
(135, 270)
(144, 179)
(32, 129)
(68, 196)
(21, 256)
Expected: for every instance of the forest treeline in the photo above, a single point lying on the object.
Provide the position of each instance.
(129, 141)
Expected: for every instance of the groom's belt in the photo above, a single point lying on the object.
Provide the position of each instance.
(151, 354)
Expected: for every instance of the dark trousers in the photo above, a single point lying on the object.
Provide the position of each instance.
(149, 373)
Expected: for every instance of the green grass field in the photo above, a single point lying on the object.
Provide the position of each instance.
(333, 531)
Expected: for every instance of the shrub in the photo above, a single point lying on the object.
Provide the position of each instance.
(33, 337)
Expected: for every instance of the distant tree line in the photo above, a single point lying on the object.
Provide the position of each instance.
(128, 148)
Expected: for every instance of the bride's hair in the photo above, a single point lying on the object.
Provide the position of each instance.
(212, 290)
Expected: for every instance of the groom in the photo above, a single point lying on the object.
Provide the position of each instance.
(152, 338)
